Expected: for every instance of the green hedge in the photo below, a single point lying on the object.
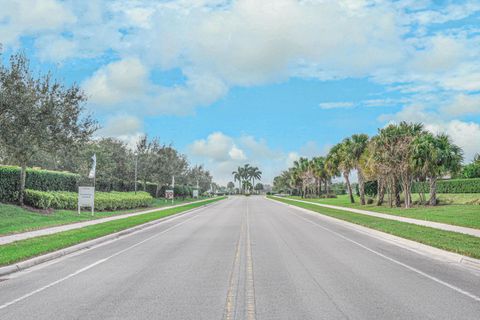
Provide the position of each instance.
(42, 180)
(450, 186)
(103, 200)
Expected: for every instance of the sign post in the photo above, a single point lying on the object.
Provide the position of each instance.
(86, 198)
(169, 194)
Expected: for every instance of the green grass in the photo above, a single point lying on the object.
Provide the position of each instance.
(14, 219)
(456, 213)
(446, 240)
(25, 249)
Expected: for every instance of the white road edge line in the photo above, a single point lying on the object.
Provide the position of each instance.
(446, 284)
(96, 263)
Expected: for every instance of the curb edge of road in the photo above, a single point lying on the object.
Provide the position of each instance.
(420, 248)
(26, 264)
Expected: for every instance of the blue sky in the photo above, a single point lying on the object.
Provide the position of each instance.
(265, 82)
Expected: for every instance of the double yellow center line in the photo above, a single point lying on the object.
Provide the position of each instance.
(241, 276)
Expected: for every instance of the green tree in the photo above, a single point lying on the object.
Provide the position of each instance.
(357, 149)
(38, 114)
(230, 186)
(340, 158)
(434, 157)
(259, 187)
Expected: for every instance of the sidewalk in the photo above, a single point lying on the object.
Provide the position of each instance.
(77, 225)
(431, 224)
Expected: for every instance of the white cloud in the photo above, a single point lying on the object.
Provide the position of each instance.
(119, 80)
(220, 44)
(464, 134)
(55, 48)
(336, 105)
(463, 104)
(291, 158)
(124, 127)
(23, 17)
(236, 154)
(217, 147)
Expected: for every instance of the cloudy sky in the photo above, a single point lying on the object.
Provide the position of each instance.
(259, 81)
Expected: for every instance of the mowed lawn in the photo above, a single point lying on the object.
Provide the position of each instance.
(451, 210)
(14, 219)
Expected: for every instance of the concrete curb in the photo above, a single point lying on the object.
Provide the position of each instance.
(22, 265)
(425, 223)
(420, 248)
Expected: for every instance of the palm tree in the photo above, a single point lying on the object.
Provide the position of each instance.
(318, 168)
(435, 156)
(358, 147)
(237, 176)
(340, 157)
(302, 173)
(255, 174)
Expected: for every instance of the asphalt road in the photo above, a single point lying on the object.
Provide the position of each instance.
(243, 258)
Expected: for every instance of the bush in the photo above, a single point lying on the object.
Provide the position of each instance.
(38, 199)
(103, 200)
(371, 188)
(450, 186)
(36, 179)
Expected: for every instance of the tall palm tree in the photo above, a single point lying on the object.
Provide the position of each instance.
(237, 176)
(358, 147)
(340, 157)
(255, 174)
(302, 172)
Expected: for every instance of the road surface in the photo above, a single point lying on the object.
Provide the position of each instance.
(243, 258)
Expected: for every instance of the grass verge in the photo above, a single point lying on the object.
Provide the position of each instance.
(451, 241)
(15, 219)
(455, 213)
(25, 249)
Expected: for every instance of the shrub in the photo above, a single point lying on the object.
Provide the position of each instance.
(36, 179)
(450, 186)
(103, 200)
(38, 199)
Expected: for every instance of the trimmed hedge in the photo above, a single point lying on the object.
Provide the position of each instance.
(450, 186)
(103, 200)
(36, 179)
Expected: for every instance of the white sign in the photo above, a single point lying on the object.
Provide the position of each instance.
(86, 198)
(169, 194)
(195, 193)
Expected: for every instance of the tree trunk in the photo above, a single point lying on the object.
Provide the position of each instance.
(21, 190)
(406, 195)
(349, 187)
(361, 187)
(433, 191)
(396, 193)
(157, 190)
(381, 192)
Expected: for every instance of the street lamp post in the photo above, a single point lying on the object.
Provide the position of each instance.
(136, 169)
